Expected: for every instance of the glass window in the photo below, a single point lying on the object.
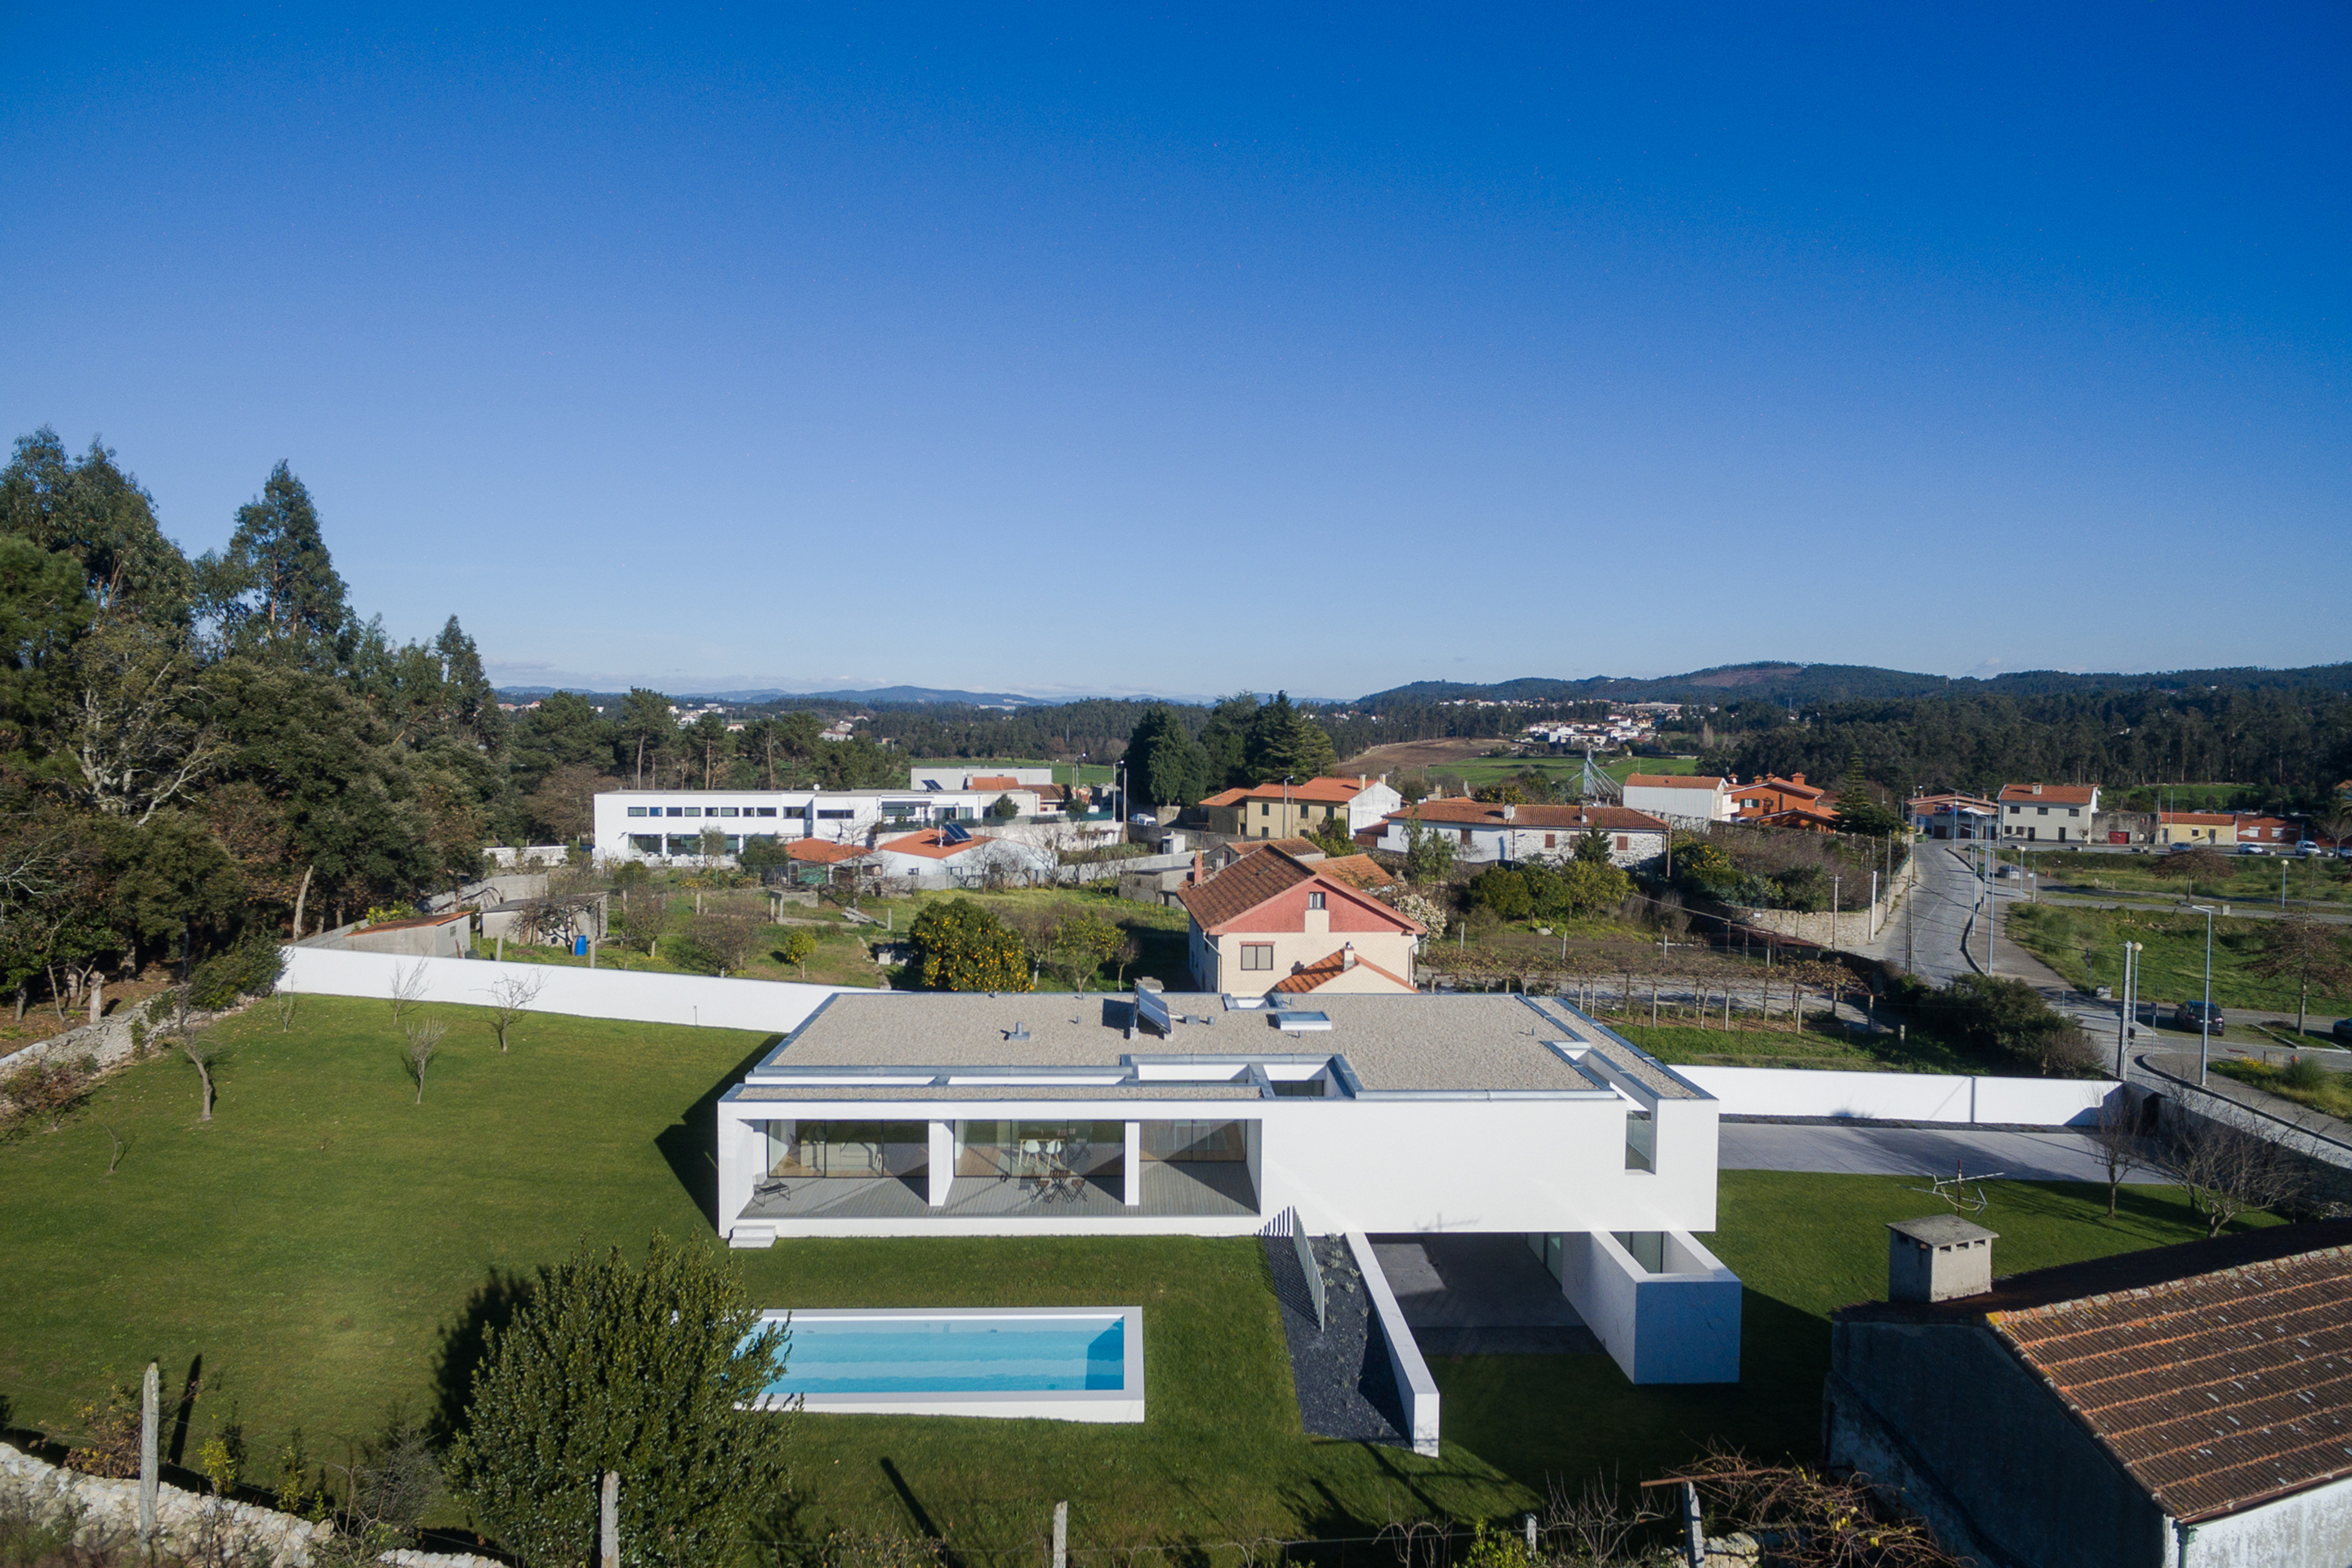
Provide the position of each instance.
(637, 811)
(1257, 955)
(1641, 1141)
(1314, 901)
(847, 1149)
(734, 844)
(767, 811)
(645, 843)
(1265, 808)
(675, 810)
(1195, 1141)
(724, 811)
(834, 815)
(1041, 1148)
(690, 811)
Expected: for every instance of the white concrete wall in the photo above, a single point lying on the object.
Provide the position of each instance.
(772, 1006)
(1679, 1326)
(1904, 1096)
(1679, 804)
(2310, 1527)
(1414, 1385)
(952, 775)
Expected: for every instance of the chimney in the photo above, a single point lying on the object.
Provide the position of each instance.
(1348, 955)
(1196, 868)
(1510, 812)
(1938, 1259)
(2037, 789)
(1796, 778)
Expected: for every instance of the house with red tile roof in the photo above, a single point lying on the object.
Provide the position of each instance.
(1280, 810)
(1490, 830)
(2049, 813)
(952, 856)
(1771, 794)
(1272, 921)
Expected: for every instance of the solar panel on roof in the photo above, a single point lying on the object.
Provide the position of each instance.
(1153, 1008)
(953, 832)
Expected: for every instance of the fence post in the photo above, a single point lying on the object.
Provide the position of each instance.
(149, 1401)
(1530, 1519)
(1693, 1530)
(1061, 1535)
(608, 1522)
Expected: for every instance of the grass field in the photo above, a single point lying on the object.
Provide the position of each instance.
(324, 1249)
(1817, 1048)
(841, 957)
(2172, 966)
(2252, 879)
(2330, 1093)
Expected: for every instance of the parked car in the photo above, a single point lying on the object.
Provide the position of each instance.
(2307, 848)
(2254, 850)
(2343, 1031)
(2191, 1017)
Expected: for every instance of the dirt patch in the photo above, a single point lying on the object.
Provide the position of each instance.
(1413, 756)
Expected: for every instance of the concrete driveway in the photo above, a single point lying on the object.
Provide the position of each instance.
(1870, 1151)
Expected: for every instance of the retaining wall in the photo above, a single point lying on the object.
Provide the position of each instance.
(771, 1006)
(1905, 1096)
(1415, 1387)
(1845, 929)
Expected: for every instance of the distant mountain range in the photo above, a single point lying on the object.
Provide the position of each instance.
(1774, 681)
(1848, 682)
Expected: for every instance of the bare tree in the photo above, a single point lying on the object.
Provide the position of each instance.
(730, 932)
(1821, 1521)
(423, 1039)
(2300, 948)
(511, 996)
(407, 987)
(2116, 1143)
(285, 1002)
(134, 725)
(2230, 1171)
(1595, 1520)
(203, 1052)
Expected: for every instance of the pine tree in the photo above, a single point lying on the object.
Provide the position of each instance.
(277, 582)
(1285, 744)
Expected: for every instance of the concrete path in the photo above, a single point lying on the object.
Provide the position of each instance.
(1871, 1151)
(1479, 1294)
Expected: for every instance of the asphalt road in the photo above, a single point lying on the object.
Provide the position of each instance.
(1924, 1152)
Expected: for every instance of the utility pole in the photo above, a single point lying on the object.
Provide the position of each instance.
(2205, 1019)
(2124, 1025)
(150, 1419)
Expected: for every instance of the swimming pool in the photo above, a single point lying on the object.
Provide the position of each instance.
(1076, 1363)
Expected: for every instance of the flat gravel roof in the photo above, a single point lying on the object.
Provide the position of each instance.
(1424, 1044)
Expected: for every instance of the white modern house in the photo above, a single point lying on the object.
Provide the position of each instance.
(666, 824)
(914, 1114)
(1485, 831)
(2058, 814)
(1680, 798)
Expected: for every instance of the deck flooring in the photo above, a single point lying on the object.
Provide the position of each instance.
(1171, 1190)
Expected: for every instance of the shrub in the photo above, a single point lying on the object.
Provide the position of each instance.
(251, 968)
(48, 1089)
(1502, 893)
(960, 946)
(637, 1370)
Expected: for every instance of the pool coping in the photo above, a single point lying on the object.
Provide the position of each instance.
(1124, 1404)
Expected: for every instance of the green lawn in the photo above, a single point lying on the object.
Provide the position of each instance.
(2252, 879)
(1816, 1046)
(2172, 966)
(1564, 771)
(2329, 1093)
(323, 1248)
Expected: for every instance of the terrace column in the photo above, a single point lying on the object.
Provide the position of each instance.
(1131, 1165)
(942, 1166)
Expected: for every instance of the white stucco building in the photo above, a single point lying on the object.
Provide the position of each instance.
(1682, 799)
(1483, 831)
(667, 825)
(929, 1114)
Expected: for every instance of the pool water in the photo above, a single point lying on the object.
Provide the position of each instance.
(831, 1355)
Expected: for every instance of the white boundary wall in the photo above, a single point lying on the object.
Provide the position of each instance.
(1414, 1384)
(771, 1006)
(1905, 1096)
(1680, 1326)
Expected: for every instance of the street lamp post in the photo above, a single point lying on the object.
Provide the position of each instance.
(2205, 1017)
(2124, 1025)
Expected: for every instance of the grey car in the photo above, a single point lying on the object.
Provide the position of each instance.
(2199, 1018)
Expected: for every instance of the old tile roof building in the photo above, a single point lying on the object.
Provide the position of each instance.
(1487, 830)
(2187, 1404)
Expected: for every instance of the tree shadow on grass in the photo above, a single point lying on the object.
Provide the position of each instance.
(465, 1343)
(689, 1143)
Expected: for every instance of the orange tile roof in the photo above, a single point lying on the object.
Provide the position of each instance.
(1772, 784)
(2195, 820)
(1672, 781)
(1319, 791)
(1262, 874)
(418, 920)
(1457, 811)
(993, 781)
(1302, 848)
(927, 844)
(2048, 794)
(1323, 971)
(1360, 871)
(817, 851)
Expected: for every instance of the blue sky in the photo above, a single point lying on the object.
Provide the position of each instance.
(1094, 349)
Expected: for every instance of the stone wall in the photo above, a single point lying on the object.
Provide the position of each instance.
(209, 1529)
(1845, 929)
